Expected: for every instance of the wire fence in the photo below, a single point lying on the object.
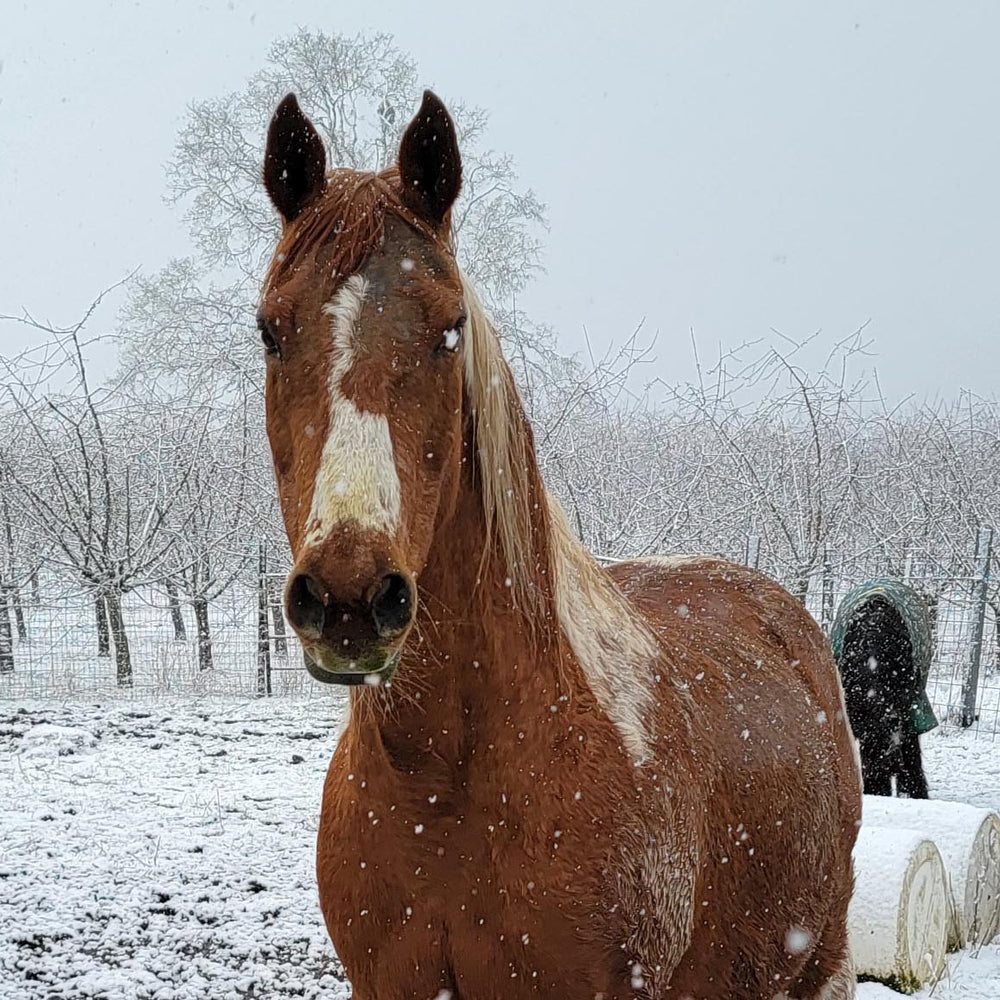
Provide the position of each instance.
(59, 658)
(240, 646)
(243, 647)
(964, 679)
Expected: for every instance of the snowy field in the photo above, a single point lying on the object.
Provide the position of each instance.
(164, 849)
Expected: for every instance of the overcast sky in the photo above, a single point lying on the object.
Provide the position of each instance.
(724, 168)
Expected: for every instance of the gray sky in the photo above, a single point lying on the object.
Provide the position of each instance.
(721, 167)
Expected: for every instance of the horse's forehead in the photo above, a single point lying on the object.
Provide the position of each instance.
(409, 282)
(406, 274)
(403, 249)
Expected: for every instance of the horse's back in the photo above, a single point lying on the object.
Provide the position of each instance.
(722, 622)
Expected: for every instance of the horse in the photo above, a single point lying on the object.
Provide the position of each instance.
(881, 686)
(554, 780)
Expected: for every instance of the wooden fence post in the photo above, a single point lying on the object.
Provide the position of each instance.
(826, 611)
(6, 635)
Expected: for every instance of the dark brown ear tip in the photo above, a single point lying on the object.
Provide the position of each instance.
(288, 105)
(433, 105)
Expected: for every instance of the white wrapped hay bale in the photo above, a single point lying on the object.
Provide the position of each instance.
(969, 841)
(899, 914)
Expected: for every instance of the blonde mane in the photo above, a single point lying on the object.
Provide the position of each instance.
(614, 647)
(515, 516)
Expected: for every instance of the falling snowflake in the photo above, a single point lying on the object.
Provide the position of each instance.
(797, 940)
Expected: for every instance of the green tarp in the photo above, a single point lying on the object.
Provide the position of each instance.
(913, 610)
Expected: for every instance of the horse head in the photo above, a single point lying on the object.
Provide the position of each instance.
(362, 318)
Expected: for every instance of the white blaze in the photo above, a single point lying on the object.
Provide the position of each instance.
(357, 479)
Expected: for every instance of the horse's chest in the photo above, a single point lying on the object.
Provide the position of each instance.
(536, 943)
(466, 903)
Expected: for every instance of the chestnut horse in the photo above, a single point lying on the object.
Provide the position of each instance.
(555, 781)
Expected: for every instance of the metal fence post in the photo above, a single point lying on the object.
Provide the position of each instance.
(263, 634)
(751, 554)
(980, 583)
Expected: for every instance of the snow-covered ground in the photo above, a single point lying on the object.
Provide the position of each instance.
(163, 849)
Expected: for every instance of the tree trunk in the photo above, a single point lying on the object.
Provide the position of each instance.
(204, 633)
(22, 628)
(932, 618)
(116, 625)
(993, 656)
(180, 632)
(996, 640)
(799, 588)
(11, 595)
(36, 590)
(6, 635)
(103, 634)
(278, 619)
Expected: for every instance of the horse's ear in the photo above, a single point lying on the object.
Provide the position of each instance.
(294, 161)
(430, 167)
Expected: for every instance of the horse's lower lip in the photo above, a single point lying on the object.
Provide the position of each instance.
(348, 680)
(353, 678)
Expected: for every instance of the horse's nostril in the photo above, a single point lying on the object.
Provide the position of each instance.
(392, 605)
(306, 608)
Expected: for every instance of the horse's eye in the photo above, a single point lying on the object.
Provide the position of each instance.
(452, 337)
(268, 339)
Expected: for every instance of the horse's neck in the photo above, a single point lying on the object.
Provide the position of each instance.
(478, 668)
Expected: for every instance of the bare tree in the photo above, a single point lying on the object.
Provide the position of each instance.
(188, 333)
(10, 601)
(785, 436)
(193, 321)
(104, 479)
(212, 544)
(19, 548)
